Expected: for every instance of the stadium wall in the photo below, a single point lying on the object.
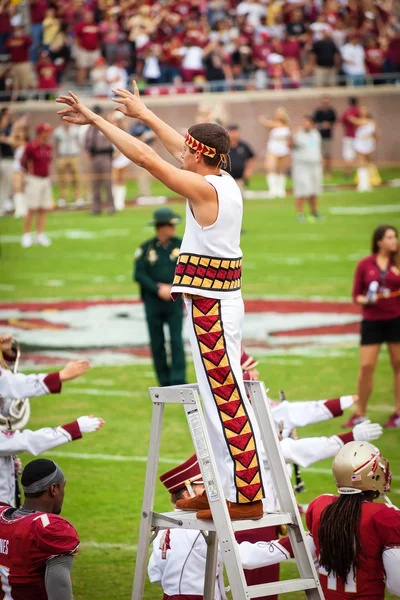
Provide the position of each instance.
(244, 107)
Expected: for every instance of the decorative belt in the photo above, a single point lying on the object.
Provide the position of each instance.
(208, 273)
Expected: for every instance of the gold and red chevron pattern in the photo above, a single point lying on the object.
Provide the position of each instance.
(207, 273)
(199, 146)
(206, 315)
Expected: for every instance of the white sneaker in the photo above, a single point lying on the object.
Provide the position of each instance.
(26, 241)
(80, 202)
(43, 240)
(61, 202)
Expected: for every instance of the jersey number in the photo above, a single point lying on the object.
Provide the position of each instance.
(350, 587)
(5, 585)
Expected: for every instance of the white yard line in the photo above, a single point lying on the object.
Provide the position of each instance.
(97, 392)
(106, 546)
(170, 461)
(364, 210)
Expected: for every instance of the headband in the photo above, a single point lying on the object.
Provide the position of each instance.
(43, 484)
(199, 146)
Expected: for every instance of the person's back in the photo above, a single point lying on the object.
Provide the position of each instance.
(29, 541)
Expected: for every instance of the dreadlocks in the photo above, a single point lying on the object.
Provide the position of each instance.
(339, 535)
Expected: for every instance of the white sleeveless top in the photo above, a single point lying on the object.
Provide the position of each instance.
(364, 141)
(210, 260)
(278, 141)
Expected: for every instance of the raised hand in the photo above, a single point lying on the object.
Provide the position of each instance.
(82, 115)
(130, 104)
(90, 423)
(74, 369)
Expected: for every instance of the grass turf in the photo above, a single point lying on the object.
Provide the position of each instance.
(93, 257)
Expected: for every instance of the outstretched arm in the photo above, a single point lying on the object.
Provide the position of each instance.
(133, 106)
(185, 183)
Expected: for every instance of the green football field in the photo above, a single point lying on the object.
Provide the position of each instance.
(91, 257)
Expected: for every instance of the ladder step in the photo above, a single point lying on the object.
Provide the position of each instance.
(281, 587)
(187, 520)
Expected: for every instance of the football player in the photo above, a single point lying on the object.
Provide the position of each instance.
(354, 541)
(37, 546)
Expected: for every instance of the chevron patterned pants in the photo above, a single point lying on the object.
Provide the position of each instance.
(215, 336)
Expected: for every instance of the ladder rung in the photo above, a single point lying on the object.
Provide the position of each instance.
(187, 520)
(281, 587)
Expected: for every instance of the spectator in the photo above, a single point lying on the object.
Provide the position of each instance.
(151, 68)
(5, 23)
(349, 133)
(98, 78)
(110, 32)
(66, 141)
(353, 56)
(87, 44)
(307, 168)
(116, 76)
(217, 66)
(253, 10)
(242, 158)
(297, 27)
(60, 51)
(36, 162)
(6, 159)
(51, 28)
(18, 46)
(38, 13)
(325, 119)
(47, 74)
(192, 63)
(100, 150)
(291, 52)
(374, 60)
(325, 58)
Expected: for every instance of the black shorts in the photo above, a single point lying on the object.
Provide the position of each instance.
(378, 332)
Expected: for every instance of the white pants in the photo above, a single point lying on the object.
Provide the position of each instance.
(215, 336)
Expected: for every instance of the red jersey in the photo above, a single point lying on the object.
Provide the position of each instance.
(374, 58)
(47, 76)
(349, 127)
(88, 35)
(37, 158)
(18, 47)
(26, 544)
(379, 530)
(38, 10)
(368, 271)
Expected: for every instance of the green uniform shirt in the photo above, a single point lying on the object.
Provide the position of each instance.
(154, 263)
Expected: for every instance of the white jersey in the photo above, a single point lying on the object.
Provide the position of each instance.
(17, 386)
(34, 442)
(178, 563)
(278, 141)
(210, 259)
(364, 142)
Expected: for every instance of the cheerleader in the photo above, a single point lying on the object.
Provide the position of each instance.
(19, 142)
(364, 145)
(278, 151)
(119, 167)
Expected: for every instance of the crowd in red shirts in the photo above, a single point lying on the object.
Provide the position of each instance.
(229, 44)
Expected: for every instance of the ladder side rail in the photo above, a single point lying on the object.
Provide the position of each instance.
(282, 483)
(219, 509)
(148, 501)
(211, 565)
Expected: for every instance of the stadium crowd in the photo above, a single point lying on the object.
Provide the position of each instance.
(192, 44)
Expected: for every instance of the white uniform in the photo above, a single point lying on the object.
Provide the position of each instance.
(364, 142)
(179, 564)
(278, 141)
(17, 386)
(18, 154)
(307, 164)
(34, 442)
(120, 161)
(208, 272)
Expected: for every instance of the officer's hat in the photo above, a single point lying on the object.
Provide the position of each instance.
(165, 216)
(183, 475)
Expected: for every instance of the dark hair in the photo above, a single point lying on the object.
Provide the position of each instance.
(36, 470)
(178, 495)
(378, 235)
(309, 117)
(353, 101)
(339, 535)
(215, 136)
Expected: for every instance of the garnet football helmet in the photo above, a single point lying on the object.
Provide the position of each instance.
(360, 467)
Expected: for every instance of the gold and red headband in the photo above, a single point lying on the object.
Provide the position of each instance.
(199, 146)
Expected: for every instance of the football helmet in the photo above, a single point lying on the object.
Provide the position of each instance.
(360, 467)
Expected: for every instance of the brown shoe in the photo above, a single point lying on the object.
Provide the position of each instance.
(238, 512)
(199, 502)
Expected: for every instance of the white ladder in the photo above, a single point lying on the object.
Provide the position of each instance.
(221, 529)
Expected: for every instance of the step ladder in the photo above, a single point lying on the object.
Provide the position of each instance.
(221, 530)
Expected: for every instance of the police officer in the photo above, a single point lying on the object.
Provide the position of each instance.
(154, 267)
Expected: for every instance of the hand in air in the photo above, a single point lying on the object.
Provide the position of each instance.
(367, 431)
(90, 423)
(81, 114)
(74, 369)
(130, 104)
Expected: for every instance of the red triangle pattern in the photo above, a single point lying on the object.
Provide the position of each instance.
(209, 339)
(240, 441)
(230, 408)
(225, 391)
(206, 322)
(245, 458)
(215, 356)
(247, 474)
(220, 373)
(237, 424)
(205, 304)
(250, 491)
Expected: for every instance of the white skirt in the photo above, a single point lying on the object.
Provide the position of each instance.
(120, 162)
(366, 146)
(307, 179)
(278, 148)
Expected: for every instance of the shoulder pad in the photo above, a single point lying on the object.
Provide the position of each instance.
(55, 535)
